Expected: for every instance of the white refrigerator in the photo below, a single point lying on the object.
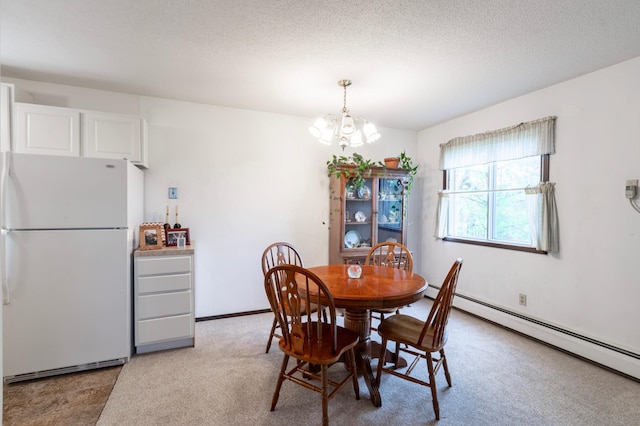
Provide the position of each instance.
(68, 231)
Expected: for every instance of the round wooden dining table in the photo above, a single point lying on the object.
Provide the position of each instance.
(378, 287)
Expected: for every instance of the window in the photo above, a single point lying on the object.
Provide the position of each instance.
(488, 203)
(495, 190)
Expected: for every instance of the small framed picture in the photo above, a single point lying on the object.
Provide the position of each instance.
(160, 224)
(177, 237)
(150, 237)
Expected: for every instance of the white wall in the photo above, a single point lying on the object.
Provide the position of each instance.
(592, 286)
(245, 179)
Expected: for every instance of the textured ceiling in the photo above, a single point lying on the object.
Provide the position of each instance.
(413, 63)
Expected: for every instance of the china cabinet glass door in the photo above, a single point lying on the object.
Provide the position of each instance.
(359, 216)
(390, 210)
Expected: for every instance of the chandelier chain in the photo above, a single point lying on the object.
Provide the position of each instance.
(344, 84)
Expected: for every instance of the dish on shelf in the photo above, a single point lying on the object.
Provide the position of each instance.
(395, 187)
(364, 192)
(351, 239)
(360, 217)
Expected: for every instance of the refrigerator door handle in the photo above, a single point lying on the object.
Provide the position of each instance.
(6, 162)
(6, 297)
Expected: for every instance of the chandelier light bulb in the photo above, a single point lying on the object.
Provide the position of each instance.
(370, 132)
(356, 139)
(327, 136)
(348, 126)
(318, 127)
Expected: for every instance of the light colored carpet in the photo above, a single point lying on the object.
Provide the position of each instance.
(499, 378)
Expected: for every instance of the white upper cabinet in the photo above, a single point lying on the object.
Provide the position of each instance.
(42, 129)
(111, 136)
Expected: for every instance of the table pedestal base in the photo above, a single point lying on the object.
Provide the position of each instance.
(359, 321)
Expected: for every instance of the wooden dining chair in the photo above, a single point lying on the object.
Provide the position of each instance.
(279, 253)
(422, 338)
(313, 340)
(391, 255)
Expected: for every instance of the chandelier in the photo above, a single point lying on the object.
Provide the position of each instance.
(348, 131)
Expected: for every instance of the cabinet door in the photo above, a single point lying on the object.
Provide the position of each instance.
(391, 210)
(111, 136)
(43, 129)
(359, 218)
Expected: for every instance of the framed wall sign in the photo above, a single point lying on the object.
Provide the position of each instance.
(176, 236)
(150, 237)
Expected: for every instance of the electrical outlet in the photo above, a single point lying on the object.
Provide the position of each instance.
(522, 299)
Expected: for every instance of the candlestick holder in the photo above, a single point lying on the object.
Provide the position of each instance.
(177, 224)
(167, 225)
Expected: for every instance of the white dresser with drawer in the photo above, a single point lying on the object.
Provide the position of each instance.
(164, 314)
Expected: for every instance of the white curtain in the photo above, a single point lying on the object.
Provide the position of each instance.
(543, 217)
(523, 140)
(440, 230)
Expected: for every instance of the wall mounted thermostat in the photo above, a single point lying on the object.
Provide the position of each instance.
(173, 193)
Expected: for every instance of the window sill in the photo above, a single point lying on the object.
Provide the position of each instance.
(495, 245)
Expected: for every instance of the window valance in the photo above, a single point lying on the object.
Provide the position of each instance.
(519, 141)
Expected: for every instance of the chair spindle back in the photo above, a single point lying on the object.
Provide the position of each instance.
(441, 308)
(391, 255)
(289, 288)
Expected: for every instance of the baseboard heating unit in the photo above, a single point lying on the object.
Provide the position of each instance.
(605, 354)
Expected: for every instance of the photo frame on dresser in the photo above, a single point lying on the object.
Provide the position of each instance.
(173, 236)
(160, 224)
(151, 237)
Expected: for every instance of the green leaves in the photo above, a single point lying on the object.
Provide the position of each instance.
(355, 168)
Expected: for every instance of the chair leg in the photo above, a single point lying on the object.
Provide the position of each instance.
(325, 396)
(351, 356)
(271, 333)
(383, 348)
(276, 393)
(444, 365)
(432, 385)
(397, 357)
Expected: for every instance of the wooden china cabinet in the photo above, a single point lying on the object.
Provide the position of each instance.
(360, 218)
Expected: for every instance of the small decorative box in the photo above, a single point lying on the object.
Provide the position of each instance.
(354, 271)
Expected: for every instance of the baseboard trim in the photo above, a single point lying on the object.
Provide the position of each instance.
(602, 353)
(237, 314)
